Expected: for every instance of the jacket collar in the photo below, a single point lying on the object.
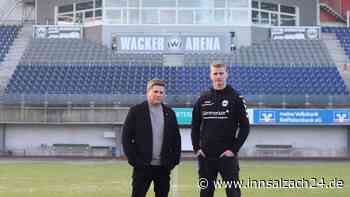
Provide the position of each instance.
(146, 105)
(148, 116)
(227, 89)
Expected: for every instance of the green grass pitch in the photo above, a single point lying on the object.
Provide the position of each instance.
(112, 178)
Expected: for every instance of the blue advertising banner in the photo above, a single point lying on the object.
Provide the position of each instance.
(283, 116)
(301, 116)
(183, 115)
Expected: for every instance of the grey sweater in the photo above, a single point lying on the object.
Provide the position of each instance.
(157, 120)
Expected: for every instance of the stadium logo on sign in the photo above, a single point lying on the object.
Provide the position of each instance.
(175, 44)
(312, 33)
(341, 117)
(267, 116)
(41, 32)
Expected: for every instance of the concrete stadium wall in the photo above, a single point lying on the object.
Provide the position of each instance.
(31, 131)
(2, 139)
(93, 33)
(62, 115)
(33, 140)
(307, 141)
(260, 34)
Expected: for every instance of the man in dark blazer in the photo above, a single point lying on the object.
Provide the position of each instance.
(152, 142)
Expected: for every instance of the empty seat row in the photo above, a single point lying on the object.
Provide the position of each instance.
(114, 79)
(343, 35)
(267, 53)
(7, 35)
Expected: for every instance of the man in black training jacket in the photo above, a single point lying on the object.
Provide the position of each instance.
(152, 142)
(217, 115)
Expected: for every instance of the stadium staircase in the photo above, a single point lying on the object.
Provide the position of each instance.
(337, 53)
(8, 66)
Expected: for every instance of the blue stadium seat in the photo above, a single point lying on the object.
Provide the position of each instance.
(7, 35)
(342, 34)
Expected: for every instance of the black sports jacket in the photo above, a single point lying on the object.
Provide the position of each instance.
(216, 117)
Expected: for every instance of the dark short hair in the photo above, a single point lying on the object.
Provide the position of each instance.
(155, 82)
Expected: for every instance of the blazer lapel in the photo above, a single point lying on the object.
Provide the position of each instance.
(148, 124)
(166, 121)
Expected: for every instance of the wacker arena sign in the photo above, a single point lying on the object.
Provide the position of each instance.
(169, 43)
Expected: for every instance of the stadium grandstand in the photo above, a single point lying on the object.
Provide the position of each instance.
(71, 69)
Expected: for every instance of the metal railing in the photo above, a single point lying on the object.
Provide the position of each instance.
(335, 4)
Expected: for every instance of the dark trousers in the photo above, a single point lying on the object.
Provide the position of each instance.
(228, 168)
(142, 178)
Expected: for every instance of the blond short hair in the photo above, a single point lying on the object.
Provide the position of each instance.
(218, 65)
(155, 82)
